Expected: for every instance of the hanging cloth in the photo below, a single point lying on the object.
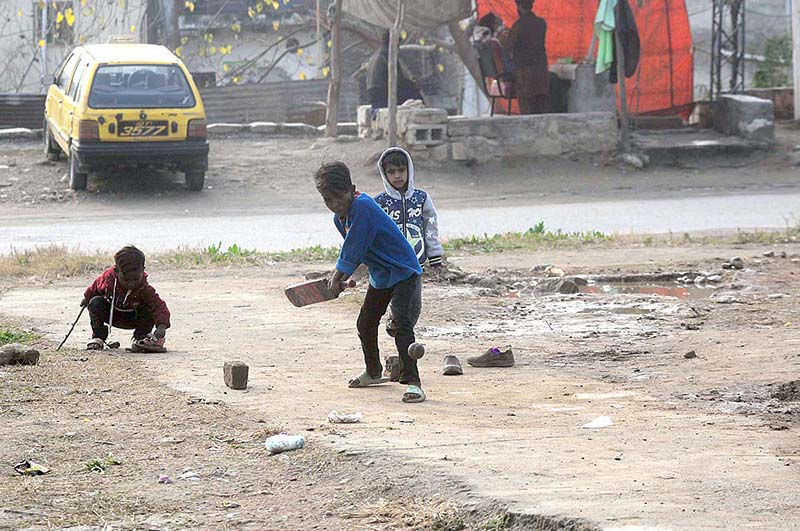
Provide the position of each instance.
(604, 25)
(629, 37)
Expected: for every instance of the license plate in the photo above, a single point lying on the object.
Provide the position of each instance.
(142, 128)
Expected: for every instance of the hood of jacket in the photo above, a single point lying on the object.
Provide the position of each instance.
(391, 190)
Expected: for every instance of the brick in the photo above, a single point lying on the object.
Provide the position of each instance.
(235, 374)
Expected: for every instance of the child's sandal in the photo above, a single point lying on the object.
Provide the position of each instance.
(95, 344)
(365, 380)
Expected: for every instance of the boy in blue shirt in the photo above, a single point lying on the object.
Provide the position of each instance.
(372, 238)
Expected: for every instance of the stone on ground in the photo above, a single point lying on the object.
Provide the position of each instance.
(235, 373)
(18, 353)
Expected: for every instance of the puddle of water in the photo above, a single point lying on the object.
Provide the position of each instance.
(661, 290)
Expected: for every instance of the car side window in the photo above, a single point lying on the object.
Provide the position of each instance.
(65, 74)
(76, 80)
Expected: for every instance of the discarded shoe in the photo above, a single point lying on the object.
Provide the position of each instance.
(392, 368)
(494, 357)
(452, 367)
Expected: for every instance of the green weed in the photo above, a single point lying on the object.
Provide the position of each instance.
(16, 336)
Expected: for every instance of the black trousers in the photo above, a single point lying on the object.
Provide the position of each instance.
(100, 311)
(404, 296)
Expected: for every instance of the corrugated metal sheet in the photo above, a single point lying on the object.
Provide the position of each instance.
(21, 110)
(274, 102)
(264, 102)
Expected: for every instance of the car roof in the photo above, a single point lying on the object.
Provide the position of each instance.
(130, 53)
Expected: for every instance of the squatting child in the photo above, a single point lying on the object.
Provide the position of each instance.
(122, 297)
(372, 238)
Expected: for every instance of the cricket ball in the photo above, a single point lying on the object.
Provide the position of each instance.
(416, 350)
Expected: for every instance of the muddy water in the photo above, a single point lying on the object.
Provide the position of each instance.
(284, 231)
(662, 290)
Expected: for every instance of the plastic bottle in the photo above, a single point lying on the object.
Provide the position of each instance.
(284, 443)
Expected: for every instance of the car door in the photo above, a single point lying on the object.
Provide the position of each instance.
(56, 95)
(69, 105)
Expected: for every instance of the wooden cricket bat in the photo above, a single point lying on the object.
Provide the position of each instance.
(311, 292)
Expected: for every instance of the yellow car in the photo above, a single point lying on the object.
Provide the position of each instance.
(114, 105)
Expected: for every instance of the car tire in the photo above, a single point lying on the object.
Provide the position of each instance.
(77, 180)
(195, 180)
(51, 149)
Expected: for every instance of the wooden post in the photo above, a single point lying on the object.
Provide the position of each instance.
(796, 55)
(394, 51)
(332, 117)
(624, 129)
(320, 60)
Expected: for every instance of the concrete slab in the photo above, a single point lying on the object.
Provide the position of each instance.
(682, 145)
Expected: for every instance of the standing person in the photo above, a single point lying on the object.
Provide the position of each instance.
(526, 44)
(378, 80)
(372, 238)
(412, 209)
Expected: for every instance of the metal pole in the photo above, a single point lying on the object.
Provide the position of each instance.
(320, 60)
(394, 50)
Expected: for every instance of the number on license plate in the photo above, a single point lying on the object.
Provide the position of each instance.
(142, 128)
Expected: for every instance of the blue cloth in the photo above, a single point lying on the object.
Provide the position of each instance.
(372, 238)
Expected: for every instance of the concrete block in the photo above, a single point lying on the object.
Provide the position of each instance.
(227, 129)
(590, 92)
(264, 128)
(298, 130)
(441, 153)
(425, 135)
(482, 126)
(235, 374)
(16, 353)
(459, 151)
(364, 120)
(746, 116)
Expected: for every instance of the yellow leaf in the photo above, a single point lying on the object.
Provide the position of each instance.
(41, 43)
(88, 11)
(212, 50)
(83, 3)
(440, 67)
(82, 39)
(302, 76)
(230, 48)
(225, 67)
(259, 7)
(325, 71)
(286, 2)
(422, 42)
(184, 40)
(300, 51)
(133, 28)
(179, 51)
(276, 25)
(250, 12)
(209, 37)
(189, 5)
(237, 27)
(236, 79)
(403, 35)
(70, 18)
(275, 5)
(20, 13)
(59, 17)
(330, 43)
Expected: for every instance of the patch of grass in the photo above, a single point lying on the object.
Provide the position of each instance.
(16, 336)
(51, 263)
(496, 523)
(99, 466)
(533, 238)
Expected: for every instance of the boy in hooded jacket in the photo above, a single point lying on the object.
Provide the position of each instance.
(412, 209)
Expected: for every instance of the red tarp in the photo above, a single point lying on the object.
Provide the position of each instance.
(664, 79)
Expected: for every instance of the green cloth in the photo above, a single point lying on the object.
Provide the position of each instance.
(604, 25)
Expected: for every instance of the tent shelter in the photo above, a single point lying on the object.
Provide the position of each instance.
(420, 16)
(663, 82)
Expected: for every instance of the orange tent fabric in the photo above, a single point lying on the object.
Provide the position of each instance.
(664, 81)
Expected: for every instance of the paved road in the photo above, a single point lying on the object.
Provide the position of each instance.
(280, 232)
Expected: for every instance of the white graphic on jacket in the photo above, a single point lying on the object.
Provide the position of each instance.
(414, 213)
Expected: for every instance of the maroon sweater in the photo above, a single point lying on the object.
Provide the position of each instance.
(143, 297)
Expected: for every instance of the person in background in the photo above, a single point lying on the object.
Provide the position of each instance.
(378, 80)
(526, 45)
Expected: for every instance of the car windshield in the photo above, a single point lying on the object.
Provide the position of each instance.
(140, 86)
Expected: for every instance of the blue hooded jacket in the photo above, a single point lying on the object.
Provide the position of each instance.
(372, 238)
(413, 212)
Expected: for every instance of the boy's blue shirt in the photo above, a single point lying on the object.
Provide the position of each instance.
(372, 238)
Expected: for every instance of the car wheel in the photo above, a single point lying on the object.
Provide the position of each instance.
(77, 180)
(195, 179)
(51, 149)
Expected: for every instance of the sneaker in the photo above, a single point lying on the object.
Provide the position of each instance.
(452, 367)
(392, 370)
(494, 357)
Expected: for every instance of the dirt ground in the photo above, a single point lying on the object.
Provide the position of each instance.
(697, 443)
